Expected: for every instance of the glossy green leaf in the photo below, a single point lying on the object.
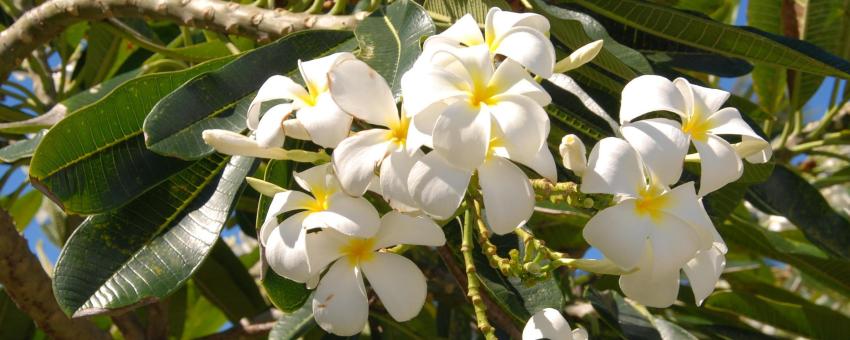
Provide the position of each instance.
(220, 99)
(672, 331)
(21, 149)
(569, 115)
(14, 323)
(25, 207)
(147, 249)
(703, 33)
(719, 204)
(389, 39)
(95, 159)
(797, 315)
(227, 284)
(453, 10)
(623, 315)
(292, 325)
(826, 27)
(787, 194)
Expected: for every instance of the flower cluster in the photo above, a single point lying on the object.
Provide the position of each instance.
(472, 110)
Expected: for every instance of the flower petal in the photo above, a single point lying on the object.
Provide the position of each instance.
(340, 306)
(353, 216)
(728, 121)
(703, 271)
(326, 123)
(315, 178)
(436, 186)
(685, 205)
(465, 30)
(395, 171)
(649, 93)
(498, 23)
(357, 157)
(363, 93)
(398, 228)
(661, 145)
(295, 129)
(541, 162)
(547, 323)
(754, 150)
(573, 154)
(522, 122)
(619, 233)
(511, 78)
(285, 250)
(315, 72)
(472, 64)
(276, 87)
(398, 283)
(232, 143)
(508, 195)
(674, 243)
(651, 290)
(709, 99)
(462, 135)
(323, 247)
(613, 168)
(423, 90)
(281, 203)
(719, 164)
(270, 131)
(530, 48)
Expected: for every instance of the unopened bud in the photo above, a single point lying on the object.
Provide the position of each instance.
(574, 154)
(579, 57)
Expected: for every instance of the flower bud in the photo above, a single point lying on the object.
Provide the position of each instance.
(232, 143)
(574, 154)
(579, 57)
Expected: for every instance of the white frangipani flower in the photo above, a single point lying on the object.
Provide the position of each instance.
(550, 324)
(704, 269)
(364, 94)
(459, 102)
(653, 228)
(522, 37)
(573, 154)
(661, 141)
(438, 187)
(318, 118)
(340, 305)
(328, 207)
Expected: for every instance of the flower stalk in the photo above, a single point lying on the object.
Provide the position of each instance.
(472, 283)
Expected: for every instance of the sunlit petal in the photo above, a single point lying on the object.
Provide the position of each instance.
(511, 78)
(649, 93)
(340, 306)
(465, 30)
(232, 143)
(709, 99)
(270, 131)
(508, 195)
(530, 48)
(326, 123)
(353, 216)
(619, 233)
(523, 124)
(704, 270)
(437, 186)
(547, 324)
(357, 157)
(398, 283)
(276, 87)
(462, 134)
(661, 145)
(613, 168)
(281, 203)
(685, 205)
(674, 243)
(398, 228)
(315, 72)
(363, 93)
(719, 164)
(285, 251)
(395, 171)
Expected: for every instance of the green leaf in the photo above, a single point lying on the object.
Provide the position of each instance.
(797, 315)
(219, 99)
(569, 115)
(202, 317)
(453, 10)
(21, 149)
(769, 81)
(621, 314)
(731, 41)
(389, 39)
(671, 330)
(825, 27)
(8, 114)
(293, 325)
(24, 208)
(146, 250)
(227, 284)
(575, 29)
(719, 204)
(95, 159)
(14, 323)
(787, 194)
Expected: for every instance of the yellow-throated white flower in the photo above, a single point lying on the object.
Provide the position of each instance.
(340, 305)
(659, 141)
(317, 116)
(521, 37)
(438, 187)
(548, 323)
(328, 208)
(653, 229)
(390, 151)
(458, 103)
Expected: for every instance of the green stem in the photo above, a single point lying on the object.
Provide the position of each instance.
(316, 7)
(840, 137)
(157, 65)
(488, 248)
(823, 124)
(339, 7)
(472, 284)
(122, 30)
(186, 35)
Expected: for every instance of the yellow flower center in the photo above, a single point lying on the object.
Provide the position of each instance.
(697, 126)
(481, 94)
(313, 93)
(358, 250)
(321, 200)
(398, 133)
(495, 142)
(651, 201)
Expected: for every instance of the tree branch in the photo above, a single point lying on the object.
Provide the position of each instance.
(41, 24)
(30, 288)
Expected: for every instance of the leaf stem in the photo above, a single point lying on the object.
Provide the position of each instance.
(472, 283)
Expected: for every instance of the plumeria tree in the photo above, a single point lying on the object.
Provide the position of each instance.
(424, 169)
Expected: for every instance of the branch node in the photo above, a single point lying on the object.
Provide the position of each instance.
(162, 7)
(72, 10)
(184, 2)
(257, 19)
(209, 13)
(232, 28)
(232, 6)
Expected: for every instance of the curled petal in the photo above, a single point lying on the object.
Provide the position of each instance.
(285, 250)
(276, 87)
(353, 216)
(395, 171)
(340, 306)
(523, 124)
(437, 186)
(661, 145)
(498, 23)
(465, 30)
(363, 93)
(619, 233)
(541, 161)
(326, 123)
(357, 157)
(649, 93)
(719, 164)
(508, 195)
(511, 78)
(685, 205)
(316, 179)
(547, 324)
(398, 228)
(530, 48)
(462, 135)
(282, 202)
(398, 283)
(270, 131)
(708, 99)
(315, 72)
(728, 121)
(293, 128)
(613, 168)
(704, 270)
